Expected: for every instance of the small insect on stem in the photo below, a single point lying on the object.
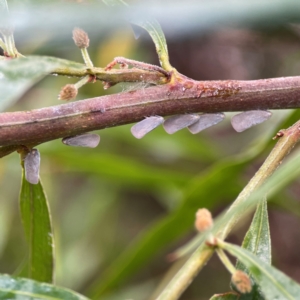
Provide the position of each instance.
(178, 122)
(143, 127)
(32, 166)
(279, 134)
(205, 121)
(90, 140)
(248, 119)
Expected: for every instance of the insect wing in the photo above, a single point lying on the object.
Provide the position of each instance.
(90, 140)
(205, 121)
(178, 122)
(32, 166)
(143, 127)
(248, 119)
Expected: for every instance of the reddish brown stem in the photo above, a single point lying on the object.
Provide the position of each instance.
(179, 97)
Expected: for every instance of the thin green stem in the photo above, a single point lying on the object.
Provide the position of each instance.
(83, 81)
(187, 273)
(285, 144)
(288, 139)
(86, 57)
(225, 260)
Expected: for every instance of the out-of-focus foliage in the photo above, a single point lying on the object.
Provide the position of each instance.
(121, 208)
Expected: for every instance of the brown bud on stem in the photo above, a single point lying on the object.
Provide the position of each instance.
(241, 281)
(80, 38)
(68, 92)
(203, 220)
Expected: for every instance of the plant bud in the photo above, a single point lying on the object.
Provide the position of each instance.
(241, 281)
(203, 220)
(68, 92)
(80, 38)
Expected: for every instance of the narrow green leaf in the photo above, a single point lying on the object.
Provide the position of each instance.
(226, 296)
(273, 283)
(38, 230)
(158, 37)
(27, 289)
(18, 75)
(258, 241)
(115, 167)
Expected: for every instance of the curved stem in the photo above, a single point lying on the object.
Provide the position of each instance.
(289, 138)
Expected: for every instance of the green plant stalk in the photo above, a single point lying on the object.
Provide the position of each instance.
(83, 81)
(86, 57)
(225, 260)
(287, 140)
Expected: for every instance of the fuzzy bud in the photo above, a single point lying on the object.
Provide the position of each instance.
(80, 38)
(68, 92)
(241, 281)
(203, 220)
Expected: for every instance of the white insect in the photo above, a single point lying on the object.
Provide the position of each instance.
(178, 122)
(205, 121)
(32, 166)
(143, 127)
(248, 119)
(90, 140)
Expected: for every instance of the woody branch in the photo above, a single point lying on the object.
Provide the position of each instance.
(184, 95)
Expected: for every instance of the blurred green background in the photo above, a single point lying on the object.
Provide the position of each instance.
(120, 209)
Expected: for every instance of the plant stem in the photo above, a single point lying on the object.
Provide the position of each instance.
(290, 137)
(38, 126)
(86, 57)
(187, 273)
(226, 262)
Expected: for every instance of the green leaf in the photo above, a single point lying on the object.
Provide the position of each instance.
(116, 167)
(273, 283)
(258, 241)
(158, 37)
(18, 75)
(38, 230)
(226, 296)
(27, 289)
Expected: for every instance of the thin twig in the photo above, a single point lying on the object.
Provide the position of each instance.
(113, 76)
(288, 139)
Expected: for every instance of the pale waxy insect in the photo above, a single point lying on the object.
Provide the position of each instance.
(205, 121)
(248, 119)
(178, 122)
(32, 166)
(143, 127)
(90, 140)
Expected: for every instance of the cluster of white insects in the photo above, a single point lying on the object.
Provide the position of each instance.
(195, 123)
